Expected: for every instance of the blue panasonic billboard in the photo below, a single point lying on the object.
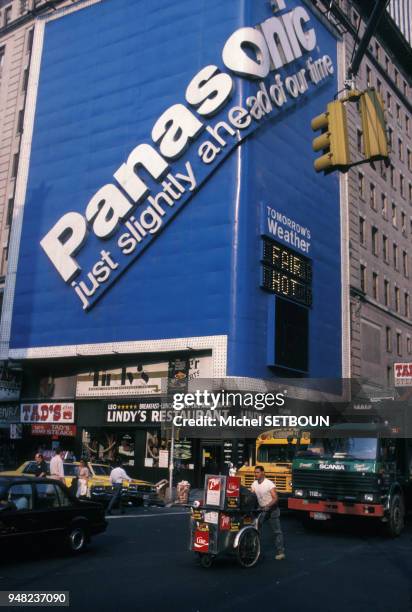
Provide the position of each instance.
(170, 190)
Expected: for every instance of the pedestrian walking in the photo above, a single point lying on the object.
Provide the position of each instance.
(56, 466)
(40, 470)
(117, 476)
(267, 498)
(83, 479)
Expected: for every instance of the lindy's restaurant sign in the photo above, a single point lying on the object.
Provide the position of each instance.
(253, 53)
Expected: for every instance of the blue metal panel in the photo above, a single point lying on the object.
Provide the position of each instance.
(107, 73)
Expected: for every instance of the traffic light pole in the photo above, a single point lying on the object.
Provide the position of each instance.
(379, 9)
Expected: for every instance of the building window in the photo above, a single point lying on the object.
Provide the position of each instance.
(389, 101)
(2, 56)
(10, 208)
(385, 248)
(372, 193)
(394, 215)
(410, 193)
(405, 264)
(15, 165)
(20, 120)
(395, 256)
(406, 304)
(379, 86)
(402, 185)
(408, 345)
(377, 52)
(407, 124)
(375, 240)
(375, 287)
(389, 376)
(359, 141)
(25, 80)
(4, 256)
(403, 222)
(361, 230)
(409, 159)
(361, 185)
(363, 278)
(390, 137)
(399, 343)
(389, 340)
(387, 64)
(7, 15)
(30, 37)
(405, 89)
(355, 17)
(397, 299)
(396, 78)
(392, 171)
(400, 149)
(386, 294)
(398, 114)
(384, 205)
(368, 77)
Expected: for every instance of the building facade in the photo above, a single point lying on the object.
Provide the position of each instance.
(379, 201)
(16, 41)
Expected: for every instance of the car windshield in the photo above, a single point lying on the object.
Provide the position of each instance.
(273, 453)
(342, 448)
(101, 470)
(70, 469)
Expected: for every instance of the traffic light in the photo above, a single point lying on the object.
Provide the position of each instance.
(333, 140)
(373, 125)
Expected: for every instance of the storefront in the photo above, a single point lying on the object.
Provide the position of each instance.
(10, 435)
(47, 426)
(131, 432)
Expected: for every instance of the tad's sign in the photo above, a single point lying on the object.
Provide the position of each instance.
(403, 374)
(47, 413)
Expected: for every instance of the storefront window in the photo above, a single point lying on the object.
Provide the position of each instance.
(108, 446)
(157, 450)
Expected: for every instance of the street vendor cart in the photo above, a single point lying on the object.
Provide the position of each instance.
(226, 522)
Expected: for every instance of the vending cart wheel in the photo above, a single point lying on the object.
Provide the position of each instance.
(206, 560)
(248, 549)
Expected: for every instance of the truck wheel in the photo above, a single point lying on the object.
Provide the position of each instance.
(396, 518)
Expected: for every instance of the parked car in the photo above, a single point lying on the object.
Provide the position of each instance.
(135, 492)
(45, 509)
(100, 489)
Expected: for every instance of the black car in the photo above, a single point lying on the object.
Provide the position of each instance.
(45, 509)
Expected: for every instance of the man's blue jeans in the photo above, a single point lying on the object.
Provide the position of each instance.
(116, 497)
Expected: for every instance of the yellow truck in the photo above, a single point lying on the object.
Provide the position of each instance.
(275, 451)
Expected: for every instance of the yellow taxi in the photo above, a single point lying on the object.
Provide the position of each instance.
(134, 492)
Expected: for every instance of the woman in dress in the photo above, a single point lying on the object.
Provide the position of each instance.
(84, 475)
